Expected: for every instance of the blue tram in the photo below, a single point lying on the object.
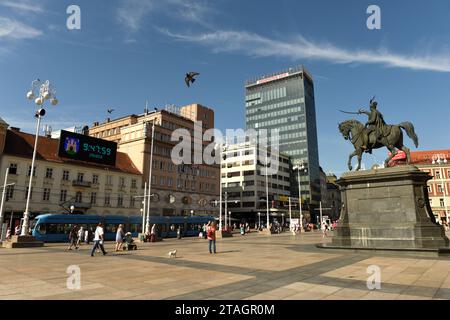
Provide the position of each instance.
(56, 227)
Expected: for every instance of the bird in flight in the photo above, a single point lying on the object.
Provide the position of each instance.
(110, 110)
(190, 77)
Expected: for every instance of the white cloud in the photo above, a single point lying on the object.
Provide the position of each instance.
(13, 29)
(300, 48)
(131, 13)
(22, 6)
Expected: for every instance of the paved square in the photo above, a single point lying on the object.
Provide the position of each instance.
(246, 267)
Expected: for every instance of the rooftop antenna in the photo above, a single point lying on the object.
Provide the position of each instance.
(146, 107)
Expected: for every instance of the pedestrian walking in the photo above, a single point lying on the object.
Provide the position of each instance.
(8, 234)
(80, 236)
(211, 234)
(153, 233)
(119, 237)
(179, 232)
(17, 230)
(98, 239)
(73, 237)
(324, 230)
(86, 236)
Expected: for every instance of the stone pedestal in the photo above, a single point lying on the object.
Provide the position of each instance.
(223, 234)
(387, 208)
(22, 242)
(266, 232)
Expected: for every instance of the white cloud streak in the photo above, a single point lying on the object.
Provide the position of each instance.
(13, 29)
(27, 6)
(132, 13)
(299, 48)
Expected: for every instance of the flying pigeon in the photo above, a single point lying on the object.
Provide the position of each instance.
(190, 77)
(110, 110)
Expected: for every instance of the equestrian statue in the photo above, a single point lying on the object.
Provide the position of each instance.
(376, 134)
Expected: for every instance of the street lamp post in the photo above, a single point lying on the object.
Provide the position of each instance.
(147, 224)
(144, 204)
(72, 208)
(46, 92)
(267, 193)
(259, 220)
(298, 167)
(5, 185)
(192, 213)
(442, 161)
(226, 208)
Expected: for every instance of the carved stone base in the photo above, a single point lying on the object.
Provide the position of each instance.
(387, 209)
(223, 234)
(22, 242)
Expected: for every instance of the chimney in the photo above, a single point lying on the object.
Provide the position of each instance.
(96, 123)
(108, 120)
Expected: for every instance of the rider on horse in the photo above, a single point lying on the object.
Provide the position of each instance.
(375, 123)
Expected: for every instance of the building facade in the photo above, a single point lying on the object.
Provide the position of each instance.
(59, 183)
(187, 188)
(437, 164)
(244, 185)
(285, 101)
(333, 197)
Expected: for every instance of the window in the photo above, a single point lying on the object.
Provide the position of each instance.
(107, 200)
(438, 175)
(9, 193)
(154, 180)
(133, 183)
(93, 197)
(429, 189)
(95, 178)
(79, 197)
(13, 168)
(63, 196)
(46, 194)
(132, 202)
(170, 182)
(120, 200)
(49, 173)
(109, 180)
(80, 177)
(26, 193)
(441, 202)
(29, 171)
(122, 182)
(439, 187)
(65, 176)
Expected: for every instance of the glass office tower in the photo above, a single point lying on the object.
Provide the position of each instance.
(285, 101)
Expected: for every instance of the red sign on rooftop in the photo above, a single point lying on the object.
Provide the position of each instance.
(280, 76)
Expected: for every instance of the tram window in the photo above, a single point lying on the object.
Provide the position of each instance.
(134, 227)
(42, 228)
(52, 228)
(163, 227)
(110, 228)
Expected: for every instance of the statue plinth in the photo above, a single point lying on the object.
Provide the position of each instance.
(223, 234)
(22, 242)
(387, 208)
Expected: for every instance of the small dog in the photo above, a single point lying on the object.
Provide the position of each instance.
(173, 254)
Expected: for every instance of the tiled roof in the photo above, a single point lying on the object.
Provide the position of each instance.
(426, 157)
(21, 144)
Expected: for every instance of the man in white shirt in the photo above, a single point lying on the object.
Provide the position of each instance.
(98, 240)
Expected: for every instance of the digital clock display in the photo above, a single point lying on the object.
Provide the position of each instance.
(85, 148)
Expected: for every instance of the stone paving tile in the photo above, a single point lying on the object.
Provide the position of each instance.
(251, 267)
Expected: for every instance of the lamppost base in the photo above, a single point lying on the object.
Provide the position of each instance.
(266, 232)
(22, 242)
(223, 234)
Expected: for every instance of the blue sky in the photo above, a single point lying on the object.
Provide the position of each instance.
(131, 51)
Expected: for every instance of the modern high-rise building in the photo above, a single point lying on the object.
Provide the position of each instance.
(285, 101)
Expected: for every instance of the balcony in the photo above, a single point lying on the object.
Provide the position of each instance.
(85, 184)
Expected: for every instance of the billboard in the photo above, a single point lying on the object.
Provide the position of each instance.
(85, 148)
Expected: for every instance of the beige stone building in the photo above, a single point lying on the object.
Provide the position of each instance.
(60, 183)
(182, 189)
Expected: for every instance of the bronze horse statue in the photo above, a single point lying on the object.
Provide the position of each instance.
(392, 139)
